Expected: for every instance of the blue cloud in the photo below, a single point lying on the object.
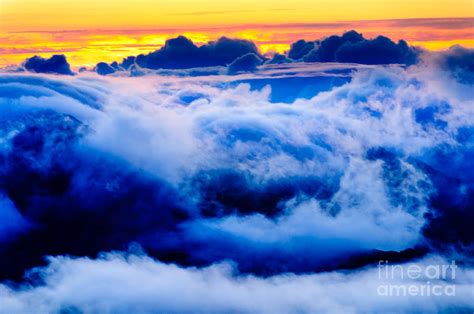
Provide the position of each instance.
(57, 64)
(279, 58)
(246, 63)
(459, 61)
(296, 167)
(352, 47)
(182, 53)
(380, 50)
(103, 68)
(300, 49)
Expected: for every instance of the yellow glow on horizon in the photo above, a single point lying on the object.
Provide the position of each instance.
(273, 48)
(443, 45)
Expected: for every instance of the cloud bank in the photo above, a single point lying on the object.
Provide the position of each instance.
(57, 64)
(352, 47)
(240, 55)
(182, 53)
(118, 283)
(291, 183)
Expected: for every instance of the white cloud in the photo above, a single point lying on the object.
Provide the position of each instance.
(124, 284)
(175, 128)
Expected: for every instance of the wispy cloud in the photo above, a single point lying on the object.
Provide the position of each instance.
(228, 12)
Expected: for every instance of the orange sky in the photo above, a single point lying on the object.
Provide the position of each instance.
(88, 31)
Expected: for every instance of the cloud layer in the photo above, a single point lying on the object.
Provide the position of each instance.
(272, 171)
(242, 55)
(118, 283)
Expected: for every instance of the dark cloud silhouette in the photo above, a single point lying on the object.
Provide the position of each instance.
(300, 49)
(380, 50)
(245, 63)
(327, 48)
(279, 58)
(128, 62)
(57, 64)
(352, 47)
(225, 50)
(182, 53)
(103, 68)
(177, 53)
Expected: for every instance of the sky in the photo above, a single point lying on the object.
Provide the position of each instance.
(89, 31)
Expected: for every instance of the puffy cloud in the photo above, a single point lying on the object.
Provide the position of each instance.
(245, 63)
(325, 50)
(177, 53)
(380, 50)
(128, 62)
(225, 50)
(57, 64)
(300, 49)
(352, 47)
(182, 53)
(103, 68)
